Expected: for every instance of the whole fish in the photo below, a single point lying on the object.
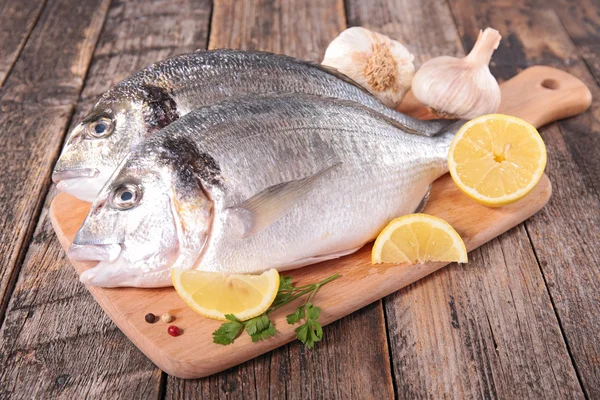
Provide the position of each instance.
(157, 95)
(256, 183)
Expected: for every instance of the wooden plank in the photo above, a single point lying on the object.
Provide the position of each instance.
(33, 124)
(190, 357)
(478, 341)
(292, 372)
(581, 19)
(297, 28)
(55, 340)
(300, 29)
(17, 19)
(565, 235)
(487, 329)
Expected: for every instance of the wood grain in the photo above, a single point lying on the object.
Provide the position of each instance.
(17, 19)
(581, 19)
(461, 332)
(566, 234)
(336, 368)
(301, 29)
(56, 342)
(297, 28)
(33, 123)
(127, 306)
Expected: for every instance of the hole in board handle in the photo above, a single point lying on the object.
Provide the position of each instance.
(551, 84)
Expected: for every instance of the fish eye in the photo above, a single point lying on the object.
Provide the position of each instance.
(126, 196)
(100, 128)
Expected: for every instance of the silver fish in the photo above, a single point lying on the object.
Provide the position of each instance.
(256, 183)
(155, 96)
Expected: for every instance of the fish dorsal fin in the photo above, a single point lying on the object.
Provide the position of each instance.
(335, 72)
(330, 70)
(392, 116)
(396, 118)
(266, 207)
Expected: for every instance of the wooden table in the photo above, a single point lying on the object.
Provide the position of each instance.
(521, 320)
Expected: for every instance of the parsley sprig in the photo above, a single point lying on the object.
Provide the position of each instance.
(261, 327)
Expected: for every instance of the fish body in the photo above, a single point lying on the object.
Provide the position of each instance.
(256, 183)
(161, 93)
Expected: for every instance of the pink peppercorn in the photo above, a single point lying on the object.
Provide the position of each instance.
(173, 330)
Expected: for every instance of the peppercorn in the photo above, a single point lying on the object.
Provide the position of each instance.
(150, 318)
(166, 317)
(173, 330)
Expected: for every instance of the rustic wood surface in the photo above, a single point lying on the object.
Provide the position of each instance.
(474, 344)
(55, 340)
(190, 357)
(36, 103)
(521, 321)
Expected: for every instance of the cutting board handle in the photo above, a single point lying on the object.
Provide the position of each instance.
(541, 95)
(538, 94)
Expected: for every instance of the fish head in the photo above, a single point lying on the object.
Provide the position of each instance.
(148, 218)
(120, 120)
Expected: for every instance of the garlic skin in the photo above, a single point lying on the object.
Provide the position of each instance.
(461, 87)
(381, 65)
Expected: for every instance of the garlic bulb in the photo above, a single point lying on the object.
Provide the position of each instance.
(461, 87)
(381, 65)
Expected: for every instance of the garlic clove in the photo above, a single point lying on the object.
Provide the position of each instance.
(461, 87)
(381, 65)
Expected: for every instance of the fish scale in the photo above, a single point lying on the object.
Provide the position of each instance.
(256, 183)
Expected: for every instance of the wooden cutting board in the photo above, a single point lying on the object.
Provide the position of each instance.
(538, 95)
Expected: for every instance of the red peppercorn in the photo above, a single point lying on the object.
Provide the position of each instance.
(173, 330)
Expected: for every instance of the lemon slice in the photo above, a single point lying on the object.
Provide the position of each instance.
(213, 294)
(497, 159)
(417, 238)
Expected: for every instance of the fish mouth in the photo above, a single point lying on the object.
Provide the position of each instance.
(94, 252)
(61, 175)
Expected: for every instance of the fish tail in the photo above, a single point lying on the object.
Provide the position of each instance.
(445, 137)
(443, 141)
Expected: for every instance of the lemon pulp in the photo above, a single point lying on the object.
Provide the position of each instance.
(497, 159)
(417, 238)
(214, 295)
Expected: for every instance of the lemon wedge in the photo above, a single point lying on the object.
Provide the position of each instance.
(214, 295)
(497, 159)
(417, 238)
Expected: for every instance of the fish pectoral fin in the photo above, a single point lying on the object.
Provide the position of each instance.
(265, 208)
(423, 202)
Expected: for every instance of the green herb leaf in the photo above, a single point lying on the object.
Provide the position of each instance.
(232, 317)
(318, 330)
(285, 283)
(266, 333)
(285, 292)
(295, 316)
(261, 327)
(257, 324)
(312, 333)
(228, 331)
(312, 312)
(302, 333)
